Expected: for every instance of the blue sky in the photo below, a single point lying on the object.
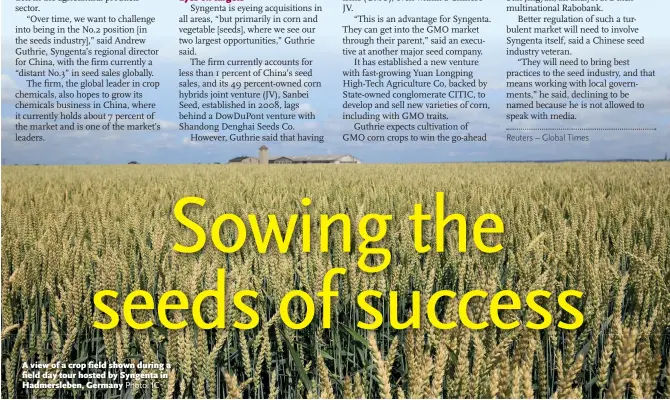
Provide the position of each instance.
(170, 145)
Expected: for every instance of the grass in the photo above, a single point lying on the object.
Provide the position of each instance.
(602, 229)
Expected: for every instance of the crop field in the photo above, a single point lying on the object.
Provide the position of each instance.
(601, 229)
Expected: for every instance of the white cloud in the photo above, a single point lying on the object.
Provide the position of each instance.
(9, 88)
(304, 107)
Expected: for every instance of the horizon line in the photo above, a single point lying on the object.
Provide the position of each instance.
(621, 160)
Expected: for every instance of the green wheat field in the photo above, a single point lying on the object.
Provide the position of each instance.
(602, 229)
